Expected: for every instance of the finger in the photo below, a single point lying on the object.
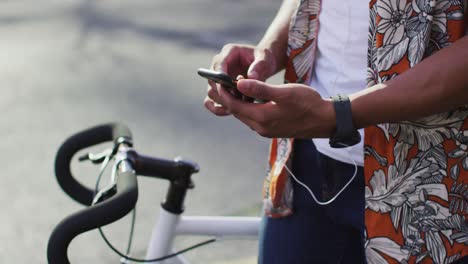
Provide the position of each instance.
(261, 68)
(226, 57)
(257, 70)
(255, 126)
(264, 91)
(248, 122)
(213, 94)
(212, 86)
(256, 112)
(219, 63)
(243, 97)
(234, 59)
(224, 65)
(215, 109)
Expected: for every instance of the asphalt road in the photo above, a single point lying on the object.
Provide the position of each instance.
(69, 65)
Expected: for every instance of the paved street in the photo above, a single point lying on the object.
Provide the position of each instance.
(69, 65)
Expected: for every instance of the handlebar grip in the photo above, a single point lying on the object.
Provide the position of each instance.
(93, 217)
(81, 140)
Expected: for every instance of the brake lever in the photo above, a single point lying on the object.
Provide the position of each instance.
(96, 158)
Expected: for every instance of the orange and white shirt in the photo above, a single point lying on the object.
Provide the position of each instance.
(416, 172)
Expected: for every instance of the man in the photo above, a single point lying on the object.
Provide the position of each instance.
(413, 111)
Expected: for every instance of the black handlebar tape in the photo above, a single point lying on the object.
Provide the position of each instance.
(81, 140)
(92, 217)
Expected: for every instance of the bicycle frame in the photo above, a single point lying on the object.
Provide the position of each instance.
(169, 225)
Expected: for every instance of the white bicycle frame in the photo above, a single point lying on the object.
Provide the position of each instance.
(169, 225)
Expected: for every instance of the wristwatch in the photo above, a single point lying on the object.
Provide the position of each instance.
(345, 135)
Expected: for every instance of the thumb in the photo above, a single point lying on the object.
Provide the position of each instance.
(259, 69)
(262, 90)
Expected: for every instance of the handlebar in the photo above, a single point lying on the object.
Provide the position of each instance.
(77, 142)
(130, 164)
(93, 217)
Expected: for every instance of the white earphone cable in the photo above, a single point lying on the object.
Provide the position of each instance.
(312, 193)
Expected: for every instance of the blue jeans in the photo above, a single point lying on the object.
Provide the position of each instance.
(332, 233)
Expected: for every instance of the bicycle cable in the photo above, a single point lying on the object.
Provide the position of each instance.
(132, 228)
(126, 257)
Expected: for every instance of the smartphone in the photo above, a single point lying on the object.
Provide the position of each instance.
(226, 81)
(218, 77)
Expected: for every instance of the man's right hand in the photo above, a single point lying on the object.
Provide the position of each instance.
(238, 60)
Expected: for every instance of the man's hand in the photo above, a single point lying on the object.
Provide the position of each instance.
(235, 60)
(293, 110)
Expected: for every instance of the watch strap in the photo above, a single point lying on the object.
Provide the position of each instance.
(345, 134)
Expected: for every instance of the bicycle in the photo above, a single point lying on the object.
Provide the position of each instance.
(109, 204)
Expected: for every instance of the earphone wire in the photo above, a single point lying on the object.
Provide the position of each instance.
(336, 195)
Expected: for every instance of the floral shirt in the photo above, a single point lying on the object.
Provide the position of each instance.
(416, 172)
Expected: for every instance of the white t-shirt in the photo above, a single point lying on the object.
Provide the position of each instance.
(341, 62)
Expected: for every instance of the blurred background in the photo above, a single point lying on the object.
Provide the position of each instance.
(68, 65)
